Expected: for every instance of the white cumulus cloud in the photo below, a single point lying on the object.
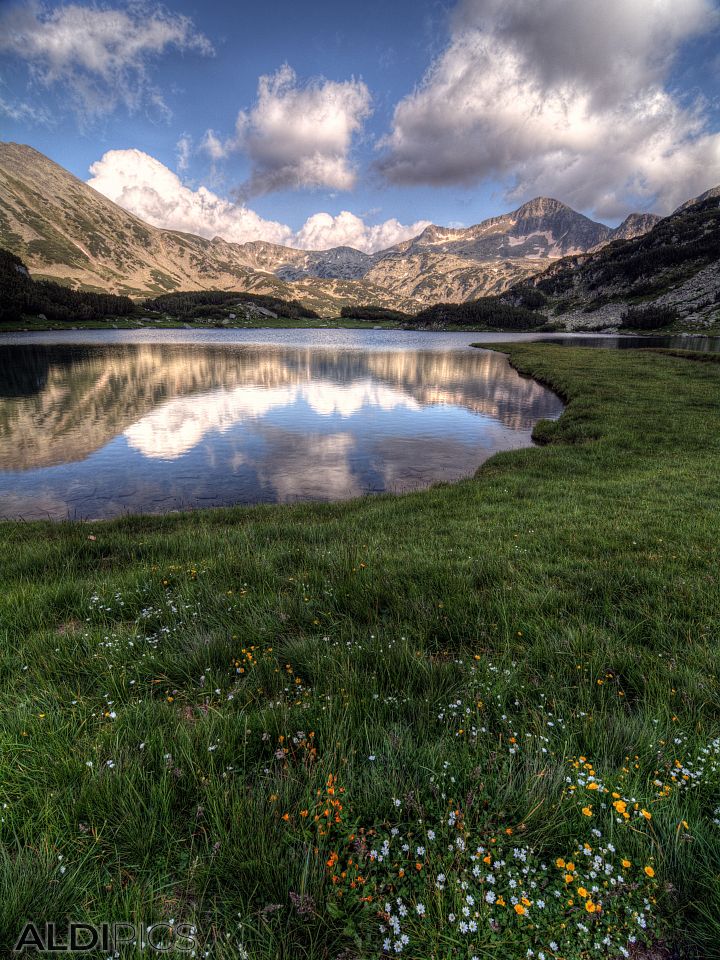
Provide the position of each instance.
(322, 230)
(99, 55)
(564, 97)
(297, 135)
(146, 187)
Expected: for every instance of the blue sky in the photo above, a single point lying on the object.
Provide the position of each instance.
(394, 113)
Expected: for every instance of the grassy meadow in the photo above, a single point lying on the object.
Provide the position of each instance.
(478, 721)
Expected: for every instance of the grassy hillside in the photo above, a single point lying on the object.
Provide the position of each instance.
(67, 232)
(484, 718)
(26, 303)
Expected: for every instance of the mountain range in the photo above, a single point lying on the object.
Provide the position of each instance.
(64, 230)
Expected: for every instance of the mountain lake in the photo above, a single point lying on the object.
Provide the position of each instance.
(96, 424)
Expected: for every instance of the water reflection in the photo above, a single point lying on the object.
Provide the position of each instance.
(94, 431)
(647, 341)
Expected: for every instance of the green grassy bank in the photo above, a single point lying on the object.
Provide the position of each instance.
(472, 722)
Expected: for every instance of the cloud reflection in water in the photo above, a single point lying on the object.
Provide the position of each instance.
(99, 431)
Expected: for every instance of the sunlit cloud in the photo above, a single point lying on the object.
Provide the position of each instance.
(100, 57)
(297, 135)
(562, 98)
(176, 427)
(150, 190)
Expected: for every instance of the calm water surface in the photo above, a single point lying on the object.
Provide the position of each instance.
(100, 423)
(97, 424)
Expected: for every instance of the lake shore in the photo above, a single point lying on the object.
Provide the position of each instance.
(276, 722)
(33, 325)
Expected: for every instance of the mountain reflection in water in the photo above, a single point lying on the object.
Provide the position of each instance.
(95, 431)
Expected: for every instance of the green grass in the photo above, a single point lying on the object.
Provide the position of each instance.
(171, 687)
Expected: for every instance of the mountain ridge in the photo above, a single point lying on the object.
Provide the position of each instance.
(64, 230)
(67, 231)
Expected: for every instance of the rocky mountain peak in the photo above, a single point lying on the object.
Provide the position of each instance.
(634, 225)
(434, 233)
(708, 195)
(542, 207)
